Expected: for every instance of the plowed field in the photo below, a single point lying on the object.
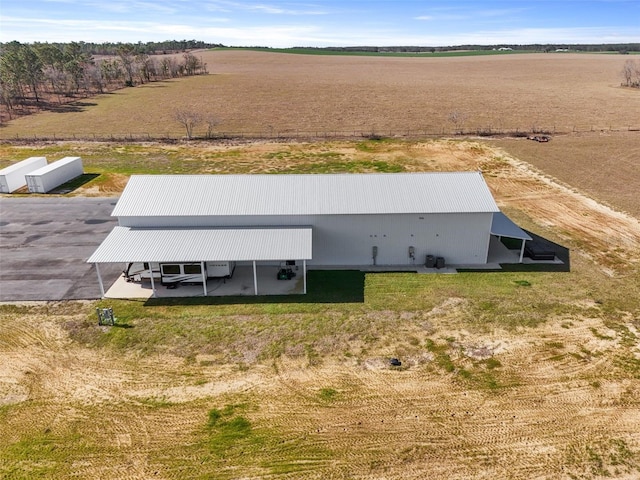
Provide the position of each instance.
(274, 93)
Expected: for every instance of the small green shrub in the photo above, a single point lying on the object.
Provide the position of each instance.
(492, 363)
(327, 394)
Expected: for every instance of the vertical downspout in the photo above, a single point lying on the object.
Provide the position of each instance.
(100, 280)
(204, 278)
(255, 278)
(304, 276)
(153, 284)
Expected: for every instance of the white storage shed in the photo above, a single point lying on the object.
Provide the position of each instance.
(55, 174)
(13, 177)
(338, 221)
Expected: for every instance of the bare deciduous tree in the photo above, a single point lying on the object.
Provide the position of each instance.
(631, 73)
(93, 78)
(211, 122)
(126, 53)
(188, 119)
(458, 119)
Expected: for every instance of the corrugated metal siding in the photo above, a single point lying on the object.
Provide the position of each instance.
(202, 195)
(125, 245)
(461, 238)
(348, 240)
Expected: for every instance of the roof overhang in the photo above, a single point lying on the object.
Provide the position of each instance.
(502, 226)
(183, 245)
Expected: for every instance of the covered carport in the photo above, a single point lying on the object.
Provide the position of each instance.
(502, 226)
(201, 245)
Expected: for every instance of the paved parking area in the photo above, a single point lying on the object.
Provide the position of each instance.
(44, 245)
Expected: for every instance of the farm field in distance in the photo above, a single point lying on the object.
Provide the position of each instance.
(516, 374)
(277, 93)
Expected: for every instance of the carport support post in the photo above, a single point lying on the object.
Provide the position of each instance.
(255, 278)
(100, 280)
(153, 285)
(304, 276)
(522, 249)
(204, 278)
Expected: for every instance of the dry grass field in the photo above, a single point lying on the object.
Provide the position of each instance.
(514, 375)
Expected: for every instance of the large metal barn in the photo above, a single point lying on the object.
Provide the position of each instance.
(198, 223)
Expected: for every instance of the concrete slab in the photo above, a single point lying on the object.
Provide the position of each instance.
(499, 253)
(241, 283)
(425, 270)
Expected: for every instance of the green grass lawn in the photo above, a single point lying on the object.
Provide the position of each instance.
(343, 306)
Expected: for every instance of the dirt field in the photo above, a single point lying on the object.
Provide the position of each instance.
(520, 375)
(605, 165)
(268, 93)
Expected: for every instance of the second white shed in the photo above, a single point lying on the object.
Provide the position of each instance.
(13, 177)
(55, 174)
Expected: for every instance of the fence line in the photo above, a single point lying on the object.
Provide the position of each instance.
(333, 134)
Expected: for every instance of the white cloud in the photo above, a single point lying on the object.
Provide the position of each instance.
(443, 17)
(455, 14)
(499, 12)
(267, 8)
(552, 35)
(45, 30)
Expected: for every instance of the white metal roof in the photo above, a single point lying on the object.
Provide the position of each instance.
(124, 245)
(18, 166)
(388, 193)
(54, 165)
(504, 227)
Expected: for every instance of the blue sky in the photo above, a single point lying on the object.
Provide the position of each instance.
(277, 23)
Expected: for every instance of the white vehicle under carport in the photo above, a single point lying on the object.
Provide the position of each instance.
(139, 271)
(172, 274)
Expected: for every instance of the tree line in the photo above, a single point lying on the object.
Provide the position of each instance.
(40, 74)
(150, 48)
(623, 48)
